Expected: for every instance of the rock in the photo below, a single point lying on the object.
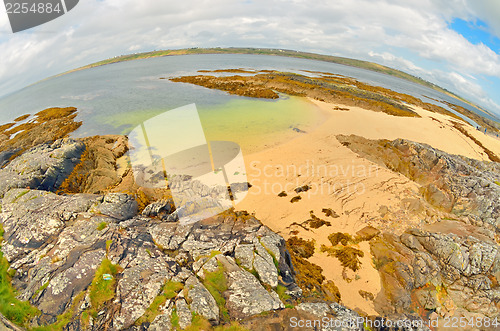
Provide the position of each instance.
(245, 295)
(367, 233)
(161, 209)
(184, 313)
(117, 205)
(202, 301)
(268, 273)
(31, 217)
(98, 170)
(43, 167)
(349, 319)
(66, 284)
(244, 255)
(161, 322)
(141, 282)
(318, 309)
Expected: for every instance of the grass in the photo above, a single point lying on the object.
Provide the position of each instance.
(102, 290)
(281, 290)
(174, 319)
(43, 287)
(234, 326)
(102, 226)
(216, 283)
(19, 312)
(169, 291)
(497, 182)
(199, 323)
(108, 245)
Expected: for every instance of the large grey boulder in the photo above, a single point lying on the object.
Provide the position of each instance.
(245, 295)
(202, 302)
(43, 167)
(142, 281)
(120, 206)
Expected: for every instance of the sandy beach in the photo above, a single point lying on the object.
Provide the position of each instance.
(359, 191)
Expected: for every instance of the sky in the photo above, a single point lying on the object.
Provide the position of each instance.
(452, 43)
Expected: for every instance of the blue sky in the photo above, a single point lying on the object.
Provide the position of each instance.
(476, 32)
(453, 43)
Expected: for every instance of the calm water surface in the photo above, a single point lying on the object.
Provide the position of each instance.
(113, 99)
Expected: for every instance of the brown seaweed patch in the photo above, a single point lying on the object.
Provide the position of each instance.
(301, 247)
(237, 85)
(348, 256)
(339, 237)
(49, 125)
(491, 155)
(315, 222)
(22, 118)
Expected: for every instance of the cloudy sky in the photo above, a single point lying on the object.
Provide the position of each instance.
(453, 43)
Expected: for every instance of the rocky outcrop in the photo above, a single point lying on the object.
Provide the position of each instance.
(455, 184)
(450, 266)
(43, 167)
(96, 260)
(448, 272)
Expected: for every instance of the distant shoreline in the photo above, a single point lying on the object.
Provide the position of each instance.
(280, 52)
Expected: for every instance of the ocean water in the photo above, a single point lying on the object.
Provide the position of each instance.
(113, 99)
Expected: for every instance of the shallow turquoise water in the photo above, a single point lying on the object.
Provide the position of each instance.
(112, 98)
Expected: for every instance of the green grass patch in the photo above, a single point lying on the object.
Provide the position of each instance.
(102, 226)
(19, 312)
(174, 319)
(216, 284)
(108, 244)
(102, 290)
(234, 326)
(43, 287)
(281, 290)
(497, 182)
(199, 323)
(169, 291)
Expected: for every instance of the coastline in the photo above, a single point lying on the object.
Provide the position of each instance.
(356, 196)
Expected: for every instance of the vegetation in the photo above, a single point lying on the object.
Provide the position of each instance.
(169, 291)
(174, 319)
(102, 290)
(216, 284)
(491, 155)
(315, 222)
(301, 247)
(198, 322)
(281, 290)
(41, 289)
(20, 195)
(348, 256)
(13, 309)
(309, 276)
(102, 226)
(339, 237)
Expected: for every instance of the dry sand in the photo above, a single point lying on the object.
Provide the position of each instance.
(359, 191)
